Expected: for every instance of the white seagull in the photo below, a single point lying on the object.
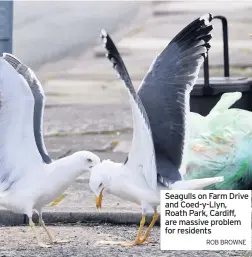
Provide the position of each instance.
(28, 179)
(159, 125)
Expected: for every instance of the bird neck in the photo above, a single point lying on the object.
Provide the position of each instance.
(63, 172)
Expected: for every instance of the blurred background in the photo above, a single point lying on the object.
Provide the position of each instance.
(49, 31)
(46, 31)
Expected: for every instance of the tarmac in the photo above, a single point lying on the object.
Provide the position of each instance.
(87, 109)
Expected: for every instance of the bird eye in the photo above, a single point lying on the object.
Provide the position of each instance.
(89, 160)
(100, 185)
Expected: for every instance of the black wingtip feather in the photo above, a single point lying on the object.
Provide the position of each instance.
(207, 45)
(109, 45)
(118, 64)
(210, 16)
(114, 56)
(206, 38)
(197, 29)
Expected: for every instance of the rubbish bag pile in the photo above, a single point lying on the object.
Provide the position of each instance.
(220, 144)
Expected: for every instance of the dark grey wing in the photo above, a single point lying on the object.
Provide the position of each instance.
(39, 97)
(165, 93)
(141, 157)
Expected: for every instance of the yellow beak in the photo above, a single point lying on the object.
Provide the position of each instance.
(99, 201)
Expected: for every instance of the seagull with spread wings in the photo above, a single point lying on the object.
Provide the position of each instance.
(157, 158)
(29, 179)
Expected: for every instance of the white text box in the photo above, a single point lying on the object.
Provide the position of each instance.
(205, 219)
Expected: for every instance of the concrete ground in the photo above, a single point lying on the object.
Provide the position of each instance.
(92, 240)
(87, 108)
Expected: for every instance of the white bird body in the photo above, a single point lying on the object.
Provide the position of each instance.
(120, 183)
(27, 181)
(62, 173)
(117, 180)
(27, 194)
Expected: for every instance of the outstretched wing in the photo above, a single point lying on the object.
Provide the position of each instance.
(141, 157)
(39, 97)
(165, 93)
(18, 151)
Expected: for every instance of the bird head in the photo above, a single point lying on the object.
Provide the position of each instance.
(100, 180)
(87, 159)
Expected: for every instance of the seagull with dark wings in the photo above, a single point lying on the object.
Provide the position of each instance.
(157, 158)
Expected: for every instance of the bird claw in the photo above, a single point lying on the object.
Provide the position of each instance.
(147, 241)
(140, 241)
(129, 244)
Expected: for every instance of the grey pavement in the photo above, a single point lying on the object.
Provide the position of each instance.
(91, 240)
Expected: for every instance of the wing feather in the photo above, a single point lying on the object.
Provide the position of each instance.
(141, 157)
(39, 97)
(18, 151)
(165, 94)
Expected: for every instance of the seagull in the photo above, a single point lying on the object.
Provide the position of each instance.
(39, 104)
(159, 111)
(28, 179)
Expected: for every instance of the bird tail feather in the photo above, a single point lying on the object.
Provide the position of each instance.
(195, 184)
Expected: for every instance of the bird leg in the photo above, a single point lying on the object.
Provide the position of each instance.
(49, 234)
(137, 240)
(40, 243)
(147, 232)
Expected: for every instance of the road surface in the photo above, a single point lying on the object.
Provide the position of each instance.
(90, 240)
(48, 31)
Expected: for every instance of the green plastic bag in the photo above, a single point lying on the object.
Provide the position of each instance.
(220, 144)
